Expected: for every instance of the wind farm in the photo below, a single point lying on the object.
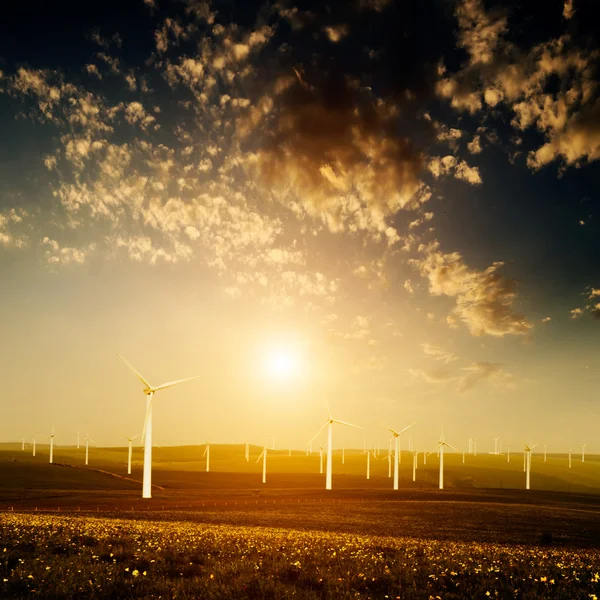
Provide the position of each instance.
(300, 300)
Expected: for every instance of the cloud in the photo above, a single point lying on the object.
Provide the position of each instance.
(546, 320)
(484, 299)
(550, 87)
(438, 353)
(576, 313)
(449, 165)
(484, 371)
(568, 9)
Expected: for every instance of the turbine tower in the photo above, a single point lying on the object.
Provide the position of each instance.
(329, 426)
(52, 445)
(130, 451)
(440, 449)
(207, 454)
(583, 453)
(396, 435)
(149, 391)
(415, 456)
(247, 451)
(528, 450)
(87, 446)
(263, 455)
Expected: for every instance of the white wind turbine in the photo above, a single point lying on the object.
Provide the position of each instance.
(583, 453)
(528, 450)
(425, 454)
(545, 448)
(569, 457)
(22, 444)
(247, 452)
(321, 460)
(396, 435)
(207, 454)
(415, 456)
(130, 451)
(343, 455)
(329, 426)
(87, 446)
(369, 452)
(33, 442)
(149, 391)
(52, 445)
(263, 455)
(440, 448)
(508, 453)
(77, 439)
(496, 445)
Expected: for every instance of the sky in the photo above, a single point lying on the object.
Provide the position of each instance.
(387, 208)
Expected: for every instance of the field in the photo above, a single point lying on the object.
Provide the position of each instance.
(68, 531)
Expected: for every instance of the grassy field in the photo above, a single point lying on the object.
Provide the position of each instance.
(182, 467)
(70, 531)
(75, 557)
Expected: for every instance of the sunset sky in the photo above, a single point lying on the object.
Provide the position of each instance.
(393, 207)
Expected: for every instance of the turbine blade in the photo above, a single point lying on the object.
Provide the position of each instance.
(328, 410)
(396, 433)
(137, 374)
(260, 455)
(171, 383)
(312, 439)
(449, 446)
(407, 427)
(346, 423)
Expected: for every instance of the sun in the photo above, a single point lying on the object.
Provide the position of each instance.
(281, 364)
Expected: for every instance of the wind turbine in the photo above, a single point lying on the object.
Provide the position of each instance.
(77, 439)
(87, 446)
(528, 450)
(583, 453)
(496, 445)
(415, 456)
(247, 451)
(425, 454)
(440, 448)
(396, 435)
(463, 458)
(149, 391)
(343, 456)
(545, 447)
(369, 452)
(263, 455)
(52, 445)
(321, 460)
(33, 442)
(508, 453)
(22, 444)
(569, 457)
(207, 454)
(130, 451)
(329, 426)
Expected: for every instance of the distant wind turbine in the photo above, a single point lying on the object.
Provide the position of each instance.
(78, 440)
(583, 453)
(369, 453)
(329, 426)
(440, 448)
(33, 442)
(569, 457)
(396, 435)
(130, 451)
(343, 456)
(545, 447)
(528, 450)
(207, 454)
(87, 446)
(149, 391)
(321, 460)
(415, 455)
(263, 455)
(247, 451)
(508, 453)
(52, 445)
